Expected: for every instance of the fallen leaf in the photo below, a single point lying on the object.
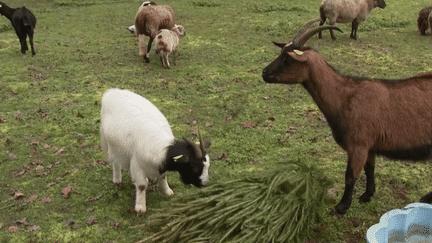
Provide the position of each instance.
(254, 161)
(208, 124)
(222, 157)
(32, 198)
(94, 198)
(52, 183)
(39, 168)
(11, 156)
(22, 221)
(83, 145)
(71, 221)
(79, 115)
(91, 220)
(20, 172)
(66, 191)
(13, 228)
(8, 141)
(36, 162)
(33, 152)
(116, 224)
(96, 103)
(34, 142)
(99, 161)
(34, 228)
(1, 120)
(249, 124)
(17, 194)
(46, 200)
(90, 209)
(18, 113)
(329, 139)
(60, 150)
(47, 146)
(14, 92)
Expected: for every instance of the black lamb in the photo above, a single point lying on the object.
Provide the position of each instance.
(23, 22)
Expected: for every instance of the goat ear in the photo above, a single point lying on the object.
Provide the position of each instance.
(181, 158)
(298, 55)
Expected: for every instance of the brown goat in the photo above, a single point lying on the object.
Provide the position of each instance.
(148, 21)
(367, 116)
(422, 21)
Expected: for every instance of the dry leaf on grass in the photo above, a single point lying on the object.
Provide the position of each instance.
(32, 198)
(34, 228)
(249, 124)
(66, 191)
(17, 194)
(46, 200)
(91, 220)
(13, 228)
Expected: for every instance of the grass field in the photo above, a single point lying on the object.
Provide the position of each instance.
(50, 109)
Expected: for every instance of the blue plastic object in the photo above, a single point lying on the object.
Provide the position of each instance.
(411, 224)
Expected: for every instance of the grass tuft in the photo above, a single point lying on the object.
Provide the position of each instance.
(272, 206)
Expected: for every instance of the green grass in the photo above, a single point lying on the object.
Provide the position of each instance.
(50, 104)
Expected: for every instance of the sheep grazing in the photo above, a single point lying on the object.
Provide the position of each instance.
(24, 23)
(148, 21)
(346, 11)
(367, 116)
(136, 136)
(422, 21)
(167, 41)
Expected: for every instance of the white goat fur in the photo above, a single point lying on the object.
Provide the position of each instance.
(167, 42)
(135, 136)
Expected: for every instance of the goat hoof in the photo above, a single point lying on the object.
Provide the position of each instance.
(146, 59)
(335, 212)
(364, 198)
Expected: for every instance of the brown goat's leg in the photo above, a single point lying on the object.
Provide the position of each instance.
(370, 178)
(427, 198)
(356, 162)
(320, 24)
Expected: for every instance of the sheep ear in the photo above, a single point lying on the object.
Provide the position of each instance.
(298, 55)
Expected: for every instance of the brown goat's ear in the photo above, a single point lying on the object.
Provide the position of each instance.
(298, 55)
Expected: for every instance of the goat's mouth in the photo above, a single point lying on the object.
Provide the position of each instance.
(269, 78)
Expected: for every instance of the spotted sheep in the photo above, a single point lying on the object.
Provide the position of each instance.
(367, 116)
(347, 11)
(167, 42)
(136, 136)
(148, 21)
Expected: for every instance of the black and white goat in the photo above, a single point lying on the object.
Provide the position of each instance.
(136, 136)
(367, 116)
(24, 23)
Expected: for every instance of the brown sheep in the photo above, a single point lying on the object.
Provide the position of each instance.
(422, 21)
(148, 21)
(347, 11)
(367, 116)
(167, 41)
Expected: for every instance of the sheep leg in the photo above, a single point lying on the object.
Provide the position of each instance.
(356, 161)
(23, 43)
(370, 179)
(142, 47)
(354, 28)
(175, 57)
(166, 59)
(323, 18)
(163, 184)
(141, 184)
(147, 56)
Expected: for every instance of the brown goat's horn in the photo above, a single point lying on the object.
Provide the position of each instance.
(304, 28)
(299, 42)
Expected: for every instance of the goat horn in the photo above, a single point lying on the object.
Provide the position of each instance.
(304, 28)
(196, 148)
(201, 141)
(299, 42)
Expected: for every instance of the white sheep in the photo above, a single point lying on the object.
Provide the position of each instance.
(347, 11)
(136, 136)
(167, 42)
(148, 21)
